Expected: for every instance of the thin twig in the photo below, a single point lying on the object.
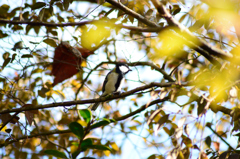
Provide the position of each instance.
(208, 125)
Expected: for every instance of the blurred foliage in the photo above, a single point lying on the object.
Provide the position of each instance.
(197, 117)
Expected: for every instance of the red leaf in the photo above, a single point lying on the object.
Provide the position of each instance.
(216, 145)
(67, 60)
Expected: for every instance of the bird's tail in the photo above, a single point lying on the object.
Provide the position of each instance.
(94, 107)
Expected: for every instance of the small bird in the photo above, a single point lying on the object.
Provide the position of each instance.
(113, 81)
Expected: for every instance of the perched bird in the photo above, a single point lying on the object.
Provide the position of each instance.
(113, 81)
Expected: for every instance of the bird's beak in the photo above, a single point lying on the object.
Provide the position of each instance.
(129, 69)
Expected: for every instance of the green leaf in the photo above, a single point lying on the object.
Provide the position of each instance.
(66, 4)
(152, 156)
(176, 11)
(75, 154)
(28, 28)
(8, 130)
(99, 147)
(223, 155)
(208, 141)
(77, 129)
(6, 61)
(38, 5)
(233, 156)
(100, 123)
(36, 29)
(162, 121)
(13, 57)
(3, 35)
(201, 105)
(51, 10)
(6, 55)
(86, 114)
(50, 42)
(86, 142)
(84, 147)
(4, 9)
(38, 70)
(27, 56)
(55, 153)
(41, 14)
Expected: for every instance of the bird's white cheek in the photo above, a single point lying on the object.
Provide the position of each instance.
(124, 69)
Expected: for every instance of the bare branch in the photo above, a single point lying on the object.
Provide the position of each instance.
(47, 24)
(89, 101)
(142, 63)
(69, 131)
(209, 126)
(132, 13)
(37, 135)
(142, 108)
(202, 46)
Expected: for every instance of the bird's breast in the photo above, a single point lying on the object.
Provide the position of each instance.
(112, 80)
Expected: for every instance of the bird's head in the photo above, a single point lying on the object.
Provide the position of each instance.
(123, 68)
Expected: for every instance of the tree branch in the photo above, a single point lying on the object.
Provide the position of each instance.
(142, 108)
(142, 63)
(69, 131)
(209, 126)
(89, 101)
(165, 75)
(205, 47)
(199, 42)
(47, 24)
(36, 135)
(133, 14)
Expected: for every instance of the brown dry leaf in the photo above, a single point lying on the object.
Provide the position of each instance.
(203, 155)
(6, 117)
(67, 60)
(30, 114)
(216, 145)
(153, 115)
(154, 95)
(161, 122)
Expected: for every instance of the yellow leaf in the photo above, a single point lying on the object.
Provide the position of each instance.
(83, 123)
(83, 64)
(115, 146)
(169, 43)
(73, 148)
(107, 153)
(36, 141)
(97, 33)
(134, 99)
(133, 128)
(4, 128)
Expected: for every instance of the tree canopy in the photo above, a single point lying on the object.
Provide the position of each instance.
(180, 101)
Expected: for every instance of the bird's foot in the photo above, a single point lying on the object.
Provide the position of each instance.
(116, 93)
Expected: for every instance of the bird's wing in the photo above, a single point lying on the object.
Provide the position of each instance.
(104, 83)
